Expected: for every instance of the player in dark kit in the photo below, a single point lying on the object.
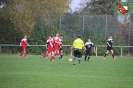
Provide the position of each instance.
(88, 46)
(60, 46)
(109, 47)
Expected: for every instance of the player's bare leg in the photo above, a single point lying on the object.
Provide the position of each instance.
(61, 54)
(51, 56)
(105, 54)
(74, 59)
(85, 57)
(44, 55)
(21, 54)
(112, 52)
(88, 57)
(58, 53)
(55, 53)
(79, 61)
(25, 53)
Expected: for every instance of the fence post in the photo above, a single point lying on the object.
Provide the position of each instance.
(60, 21)
(129, 30)
(106, 24)
(0, 50)
(96, 51)
(83, 24)
(121, 51)
(71, 51)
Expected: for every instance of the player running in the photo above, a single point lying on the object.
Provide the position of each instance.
(50, 51)
(47, 43)
(56, 45)
(60, 47)
(88, 46)
(109, 47)
(23, 44)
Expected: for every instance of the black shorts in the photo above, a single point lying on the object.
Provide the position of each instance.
(61, 49)
(88, 53)
(77, 53)
(109, 48)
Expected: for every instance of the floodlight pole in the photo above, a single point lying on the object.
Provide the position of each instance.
(129, 34)
(0, 50)
(106, 21)
(83, 23)
(106, 24)
(60, 21)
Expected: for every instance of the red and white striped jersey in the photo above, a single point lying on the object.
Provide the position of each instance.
(56, 40)
(50, 42)
(23, 42)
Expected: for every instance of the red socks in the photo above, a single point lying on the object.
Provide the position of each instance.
(51, 58)
(21, 54)
(45, 55)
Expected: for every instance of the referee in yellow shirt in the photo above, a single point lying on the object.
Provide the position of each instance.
(78, 45)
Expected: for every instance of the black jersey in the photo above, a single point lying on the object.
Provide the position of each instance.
(88, 46)
(110, 41)
(61, 41)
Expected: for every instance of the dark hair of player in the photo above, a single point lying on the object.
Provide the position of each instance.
(89, 38)
(79, 36)
(52, 36)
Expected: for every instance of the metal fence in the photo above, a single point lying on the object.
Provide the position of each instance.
(91, 25)
(98, 27)
(121, 48)
(94, 26)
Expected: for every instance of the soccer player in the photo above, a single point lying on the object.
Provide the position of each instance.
(56, 45)
(47, 43)
(50, 51)
(78, 45)
(88, 46)
(23, 44)
(60, 46)
(109, 47)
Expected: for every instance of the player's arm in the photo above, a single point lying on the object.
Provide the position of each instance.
(47, 44)
(28, 44)
(61, 43)
(21, 43)
(85, 47)
(108, 44)
(57, 41)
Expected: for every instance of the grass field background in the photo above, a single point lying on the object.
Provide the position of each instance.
(41, 73)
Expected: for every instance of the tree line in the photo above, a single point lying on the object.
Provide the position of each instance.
(39, 19)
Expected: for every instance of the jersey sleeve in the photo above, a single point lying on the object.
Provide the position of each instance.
(47, 41)
(21, 43)
(85, 44)
(108, 40)
(74, 43)
(93, 45)
(62, 41)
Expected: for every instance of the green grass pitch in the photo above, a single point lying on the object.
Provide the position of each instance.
(41, 73)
